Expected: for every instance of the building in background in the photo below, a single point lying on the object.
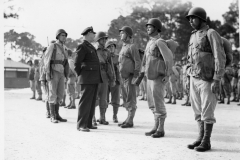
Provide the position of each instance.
(15, 74)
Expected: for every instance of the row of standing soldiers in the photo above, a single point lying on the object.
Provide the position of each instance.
(97, 72)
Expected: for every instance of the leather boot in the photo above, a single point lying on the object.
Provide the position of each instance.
(200, 136)
(221, 100)
(94, 121)
(73, 106)
(170, 100)
(53, 117)
(115, 111)
(187, 99)
(129, 122)
(174, 99)
(160, 130)
(39, 97)
(181, 96)
(33, 96)
(63, 102)
(120, 124)
(48, 110)
(102, 117)
(57, 114)
(154, 128)
(205, 144)
(228, 101)
(70, 99)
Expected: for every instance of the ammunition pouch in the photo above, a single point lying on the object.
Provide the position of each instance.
(203, 65)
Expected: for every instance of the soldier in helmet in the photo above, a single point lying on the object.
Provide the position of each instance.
(206, 67)
(129, 67)
(185, 79)
(114, 90)
(87, 66)
(107, 74)
(31, 78)
(234, 82)
(156, 48)
(72, 76)
(36, 78)
(56, 68)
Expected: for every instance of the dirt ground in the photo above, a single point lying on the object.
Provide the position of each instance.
(28, 135)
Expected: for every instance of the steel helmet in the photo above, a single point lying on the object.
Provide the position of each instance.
(100, 35)
(198, 12)
(60, 31)
(156, 23)
(128, 30)
(108, 43)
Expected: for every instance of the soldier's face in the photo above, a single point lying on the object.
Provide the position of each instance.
(123, 35)
(62, 37)
(194, 22)
(111, 48)
(150, 29)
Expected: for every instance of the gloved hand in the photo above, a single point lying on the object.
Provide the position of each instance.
(165, 79)
(215, 86)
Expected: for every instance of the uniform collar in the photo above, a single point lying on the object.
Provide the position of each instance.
(155, 37)
(88, 43)
(206, 27)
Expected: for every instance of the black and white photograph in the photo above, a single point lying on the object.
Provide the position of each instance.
(120, 80)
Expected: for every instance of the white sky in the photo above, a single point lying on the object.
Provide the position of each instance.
(43, 17)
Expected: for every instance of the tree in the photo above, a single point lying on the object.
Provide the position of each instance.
(171, 14)
(72, 44)
(24, 42)
(9, 10)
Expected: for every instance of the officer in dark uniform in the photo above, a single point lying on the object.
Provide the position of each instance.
(87, 67)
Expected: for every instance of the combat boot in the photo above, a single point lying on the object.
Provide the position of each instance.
(48, 110)
(154, 128)
(33, 97)
(70, 103)
(63, 102)
(228, 101)
(115, 111)
(170, 100)
(53, 117)
(200, 136)
(102, 117)
(39, 97)
(187, 99)
(73, 106)
(120, 124)
(160, 130)
(94, 121)
(57, 114)
(174, 99)
(205, 144)
(129, 122)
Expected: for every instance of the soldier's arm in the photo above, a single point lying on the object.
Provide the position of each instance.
(80, 55)
(218, 53)
(47, 58)
(136, 58)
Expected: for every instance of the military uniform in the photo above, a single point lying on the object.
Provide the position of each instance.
(72, 77)
(129, 67)
(87, 67)
(207, 61)
(56, 68)
(32, 81)
(105, 66)
(36, 79)
(114, 90)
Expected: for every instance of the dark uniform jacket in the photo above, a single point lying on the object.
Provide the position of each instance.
(87, 64)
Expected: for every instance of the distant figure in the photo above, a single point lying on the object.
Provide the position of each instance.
(31, 78)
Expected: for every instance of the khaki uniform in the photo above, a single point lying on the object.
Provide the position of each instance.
(129, 63)
(205, 48)
(56, 76)
(37, 81)
(156, 87)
